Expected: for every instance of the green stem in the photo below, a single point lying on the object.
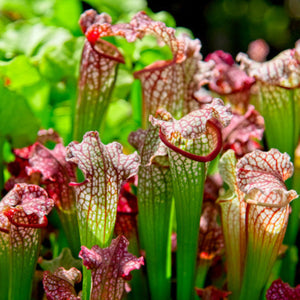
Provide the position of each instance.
(4, 265)
(86, 284)
(263, 247)
(154, 203)
(23, 259)
(254, 268)
(136, 100)
(202, 269)
(69, 223)
(188, 183)
(138, 282)
(233, 225)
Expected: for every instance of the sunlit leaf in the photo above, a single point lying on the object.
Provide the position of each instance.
(65, 259)
(31, 40)
(18, 124)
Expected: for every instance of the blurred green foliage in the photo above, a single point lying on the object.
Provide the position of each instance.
(10, 120)
(233, 24)
(40, 50)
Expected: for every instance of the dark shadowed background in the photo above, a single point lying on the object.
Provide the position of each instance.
(231, 24)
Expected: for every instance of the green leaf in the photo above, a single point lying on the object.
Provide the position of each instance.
(136, 102)
(213, 166)
(119, 123)
(18, 123)
(31, 40)
(37, 97)
(119, 8)
(123, 84)
(148, 51)
(24, 78)
(60, 119)
(62, 61)
(19, 9)
(69, 21)
(20, 72)
(118, 112)
(65, 259)
(162, 16)
(49, 12)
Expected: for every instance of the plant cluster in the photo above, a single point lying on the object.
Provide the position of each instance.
(202, 208)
